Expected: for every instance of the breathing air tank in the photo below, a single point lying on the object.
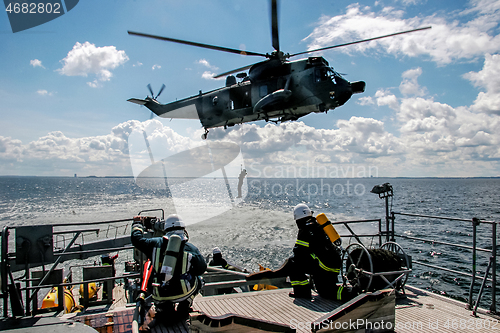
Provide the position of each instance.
(170, 259)
(330, 231)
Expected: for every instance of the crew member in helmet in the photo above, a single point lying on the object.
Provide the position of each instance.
(218, 260)
(184, 280)
(313, 254)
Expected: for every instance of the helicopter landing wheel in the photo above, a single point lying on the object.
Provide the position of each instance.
(403, 258)
(204, 136)
(357, 267)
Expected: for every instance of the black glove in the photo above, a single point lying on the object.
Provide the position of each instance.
(146, 221)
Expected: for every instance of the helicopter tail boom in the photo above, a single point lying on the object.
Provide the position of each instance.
(137, 101)
(184, 109)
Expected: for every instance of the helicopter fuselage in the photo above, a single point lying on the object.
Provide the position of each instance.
(273, 91)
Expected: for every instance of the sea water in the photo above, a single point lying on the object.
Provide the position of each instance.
(259, 228)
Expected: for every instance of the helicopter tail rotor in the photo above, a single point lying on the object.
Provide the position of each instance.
(161, 90)
(148, 98)
(153, 97)
(150, 90)
(152, 93)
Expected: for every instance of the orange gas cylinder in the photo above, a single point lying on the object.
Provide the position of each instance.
(329, 229)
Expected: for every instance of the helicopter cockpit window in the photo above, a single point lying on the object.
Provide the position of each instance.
(322, 74)
(325, 74)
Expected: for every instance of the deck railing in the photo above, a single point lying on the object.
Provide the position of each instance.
(66, 245)
(492, 263)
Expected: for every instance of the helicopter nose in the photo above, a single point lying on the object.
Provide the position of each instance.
(358, 87)
(340, 96)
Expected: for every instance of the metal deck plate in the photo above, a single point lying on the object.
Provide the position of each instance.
(422, 311)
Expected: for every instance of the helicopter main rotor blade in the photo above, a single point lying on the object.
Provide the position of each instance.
(206, 46)
(233, 71)
(274, 25)
(360, 41)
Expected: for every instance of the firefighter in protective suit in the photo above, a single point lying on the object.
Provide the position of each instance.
(313, 254)
(170, 285)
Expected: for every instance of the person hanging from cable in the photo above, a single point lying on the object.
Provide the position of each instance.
(175, 266)
(241, 177)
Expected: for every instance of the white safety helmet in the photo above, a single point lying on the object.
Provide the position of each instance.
(174, 222)
(300, 211)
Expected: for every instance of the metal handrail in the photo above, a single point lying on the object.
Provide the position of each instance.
(448, 270)
(69, 284)
(444, 218)
(444, 243)
(492, 261)
(89, 223)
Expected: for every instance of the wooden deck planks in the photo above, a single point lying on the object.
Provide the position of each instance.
(420, 311)
(270, 305)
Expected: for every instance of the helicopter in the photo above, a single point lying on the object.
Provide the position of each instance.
(275, 89)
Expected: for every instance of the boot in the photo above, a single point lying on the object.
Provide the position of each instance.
(301, 292)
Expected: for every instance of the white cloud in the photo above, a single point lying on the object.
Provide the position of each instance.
(36, 63)
(365, 100)
(295, 144)
(44, 92)
(488, 78)
(208, 75)
(86, 58)
(412, 2)
(55, 154)
(155, 66)
(423, 115)
(435, 139)
(444, 43)
(205, 63)
(410, 86)
(385, 97)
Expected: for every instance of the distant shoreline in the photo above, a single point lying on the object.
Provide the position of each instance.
(248, 177)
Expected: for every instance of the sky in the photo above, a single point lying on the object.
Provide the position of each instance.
(431, 107)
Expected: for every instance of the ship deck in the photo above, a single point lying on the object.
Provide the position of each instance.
(419, 311)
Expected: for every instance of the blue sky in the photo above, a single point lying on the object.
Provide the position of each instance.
(431, 105)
